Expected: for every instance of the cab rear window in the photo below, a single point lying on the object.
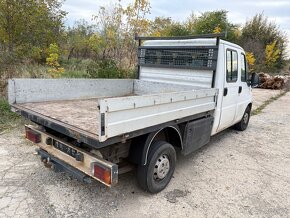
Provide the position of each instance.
(244, 74)
(232, 66)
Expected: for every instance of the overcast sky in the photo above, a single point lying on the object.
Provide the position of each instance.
(238, 10)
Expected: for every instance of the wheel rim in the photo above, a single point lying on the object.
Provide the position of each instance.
(245, 118)
(162, 167)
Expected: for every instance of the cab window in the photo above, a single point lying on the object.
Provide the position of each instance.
(232, 66)
(244, 73)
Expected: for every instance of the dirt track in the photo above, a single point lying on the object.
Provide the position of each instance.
(238, 174)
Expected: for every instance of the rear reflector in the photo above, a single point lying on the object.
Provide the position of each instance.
(32, 135)
(102, 173)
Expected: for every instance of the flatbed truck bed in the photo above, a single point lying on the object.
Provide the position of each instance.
(82, 114)
(112, 115)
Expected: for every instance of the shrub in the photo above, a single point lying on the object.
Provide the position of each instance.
(75, 74)
(8, 119)
(52, 61)
(107, 69)
(75, 64)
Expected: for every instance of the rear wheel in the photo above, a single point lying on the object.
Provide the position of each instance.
(243, 124)
(158, 171)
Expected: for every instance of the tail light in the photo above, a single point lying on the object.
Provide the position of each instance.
(102, 173)
(32, 135)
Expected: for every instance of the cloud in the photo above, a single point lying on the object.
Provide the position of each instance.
(85, 9)
(80, 10)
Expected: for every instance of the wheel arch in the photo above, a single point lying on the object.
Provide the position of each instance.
(140, 146)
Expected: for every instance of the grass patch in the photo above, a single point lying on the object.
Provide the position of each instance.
(8, 119)
(266, 103)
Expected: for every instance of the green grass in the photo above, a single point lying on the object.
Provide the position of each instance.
(266, 103)
(8, 119)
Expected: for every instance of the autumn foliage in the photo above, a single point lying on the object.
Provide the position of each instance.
(53, 61)
(250, 58)
(33, 32)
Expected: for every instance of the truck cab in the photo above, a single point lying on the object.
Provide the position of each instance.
(219, 64)
(235, 96)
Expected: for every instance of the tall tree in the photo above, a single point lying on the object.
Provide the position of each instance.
(259, 32)
(214, 22)
(116, 28)
(159, 26)
(30, 23)
(77, 39)
(272, 54)
(177, 29)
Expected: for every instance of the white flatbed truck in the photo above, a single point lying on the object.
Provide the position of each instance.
(188, 89)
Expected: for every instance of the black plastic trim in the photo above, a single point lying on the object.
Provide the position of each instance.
(102, 124)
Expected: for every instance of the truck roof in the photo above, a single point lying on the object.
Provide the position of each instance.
(189, 42)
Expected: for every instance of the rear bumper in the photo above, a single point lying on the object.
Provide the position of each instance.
(62, 156)
(60, 166)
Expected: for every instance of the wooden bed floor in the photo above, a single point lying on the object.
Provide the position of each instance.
(82, 114)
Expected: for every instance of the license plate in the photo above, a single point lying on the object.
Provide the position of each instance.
(64, 148)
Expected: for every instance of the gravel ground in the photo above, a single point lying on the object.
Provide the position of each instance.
(262, 95)
(238, 174)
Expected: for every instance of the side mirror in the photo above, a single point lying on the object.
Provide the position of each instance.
(255, 80)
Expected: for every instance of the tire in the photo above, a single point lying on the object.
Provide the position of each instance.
(157, 173)
(243, 124)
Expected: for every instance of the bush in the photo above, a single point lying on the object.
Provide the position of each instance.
(8, 119)
(107, 69)
(75, 74)
(6, 59)
(75, 64)
(52, 61)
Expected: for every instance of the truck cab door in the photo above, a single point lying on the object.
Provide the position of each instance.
(244, 92)
(230, 90)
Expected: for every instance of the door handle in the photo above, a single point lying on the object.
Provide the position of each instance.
(240, 89)
(225, 91)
